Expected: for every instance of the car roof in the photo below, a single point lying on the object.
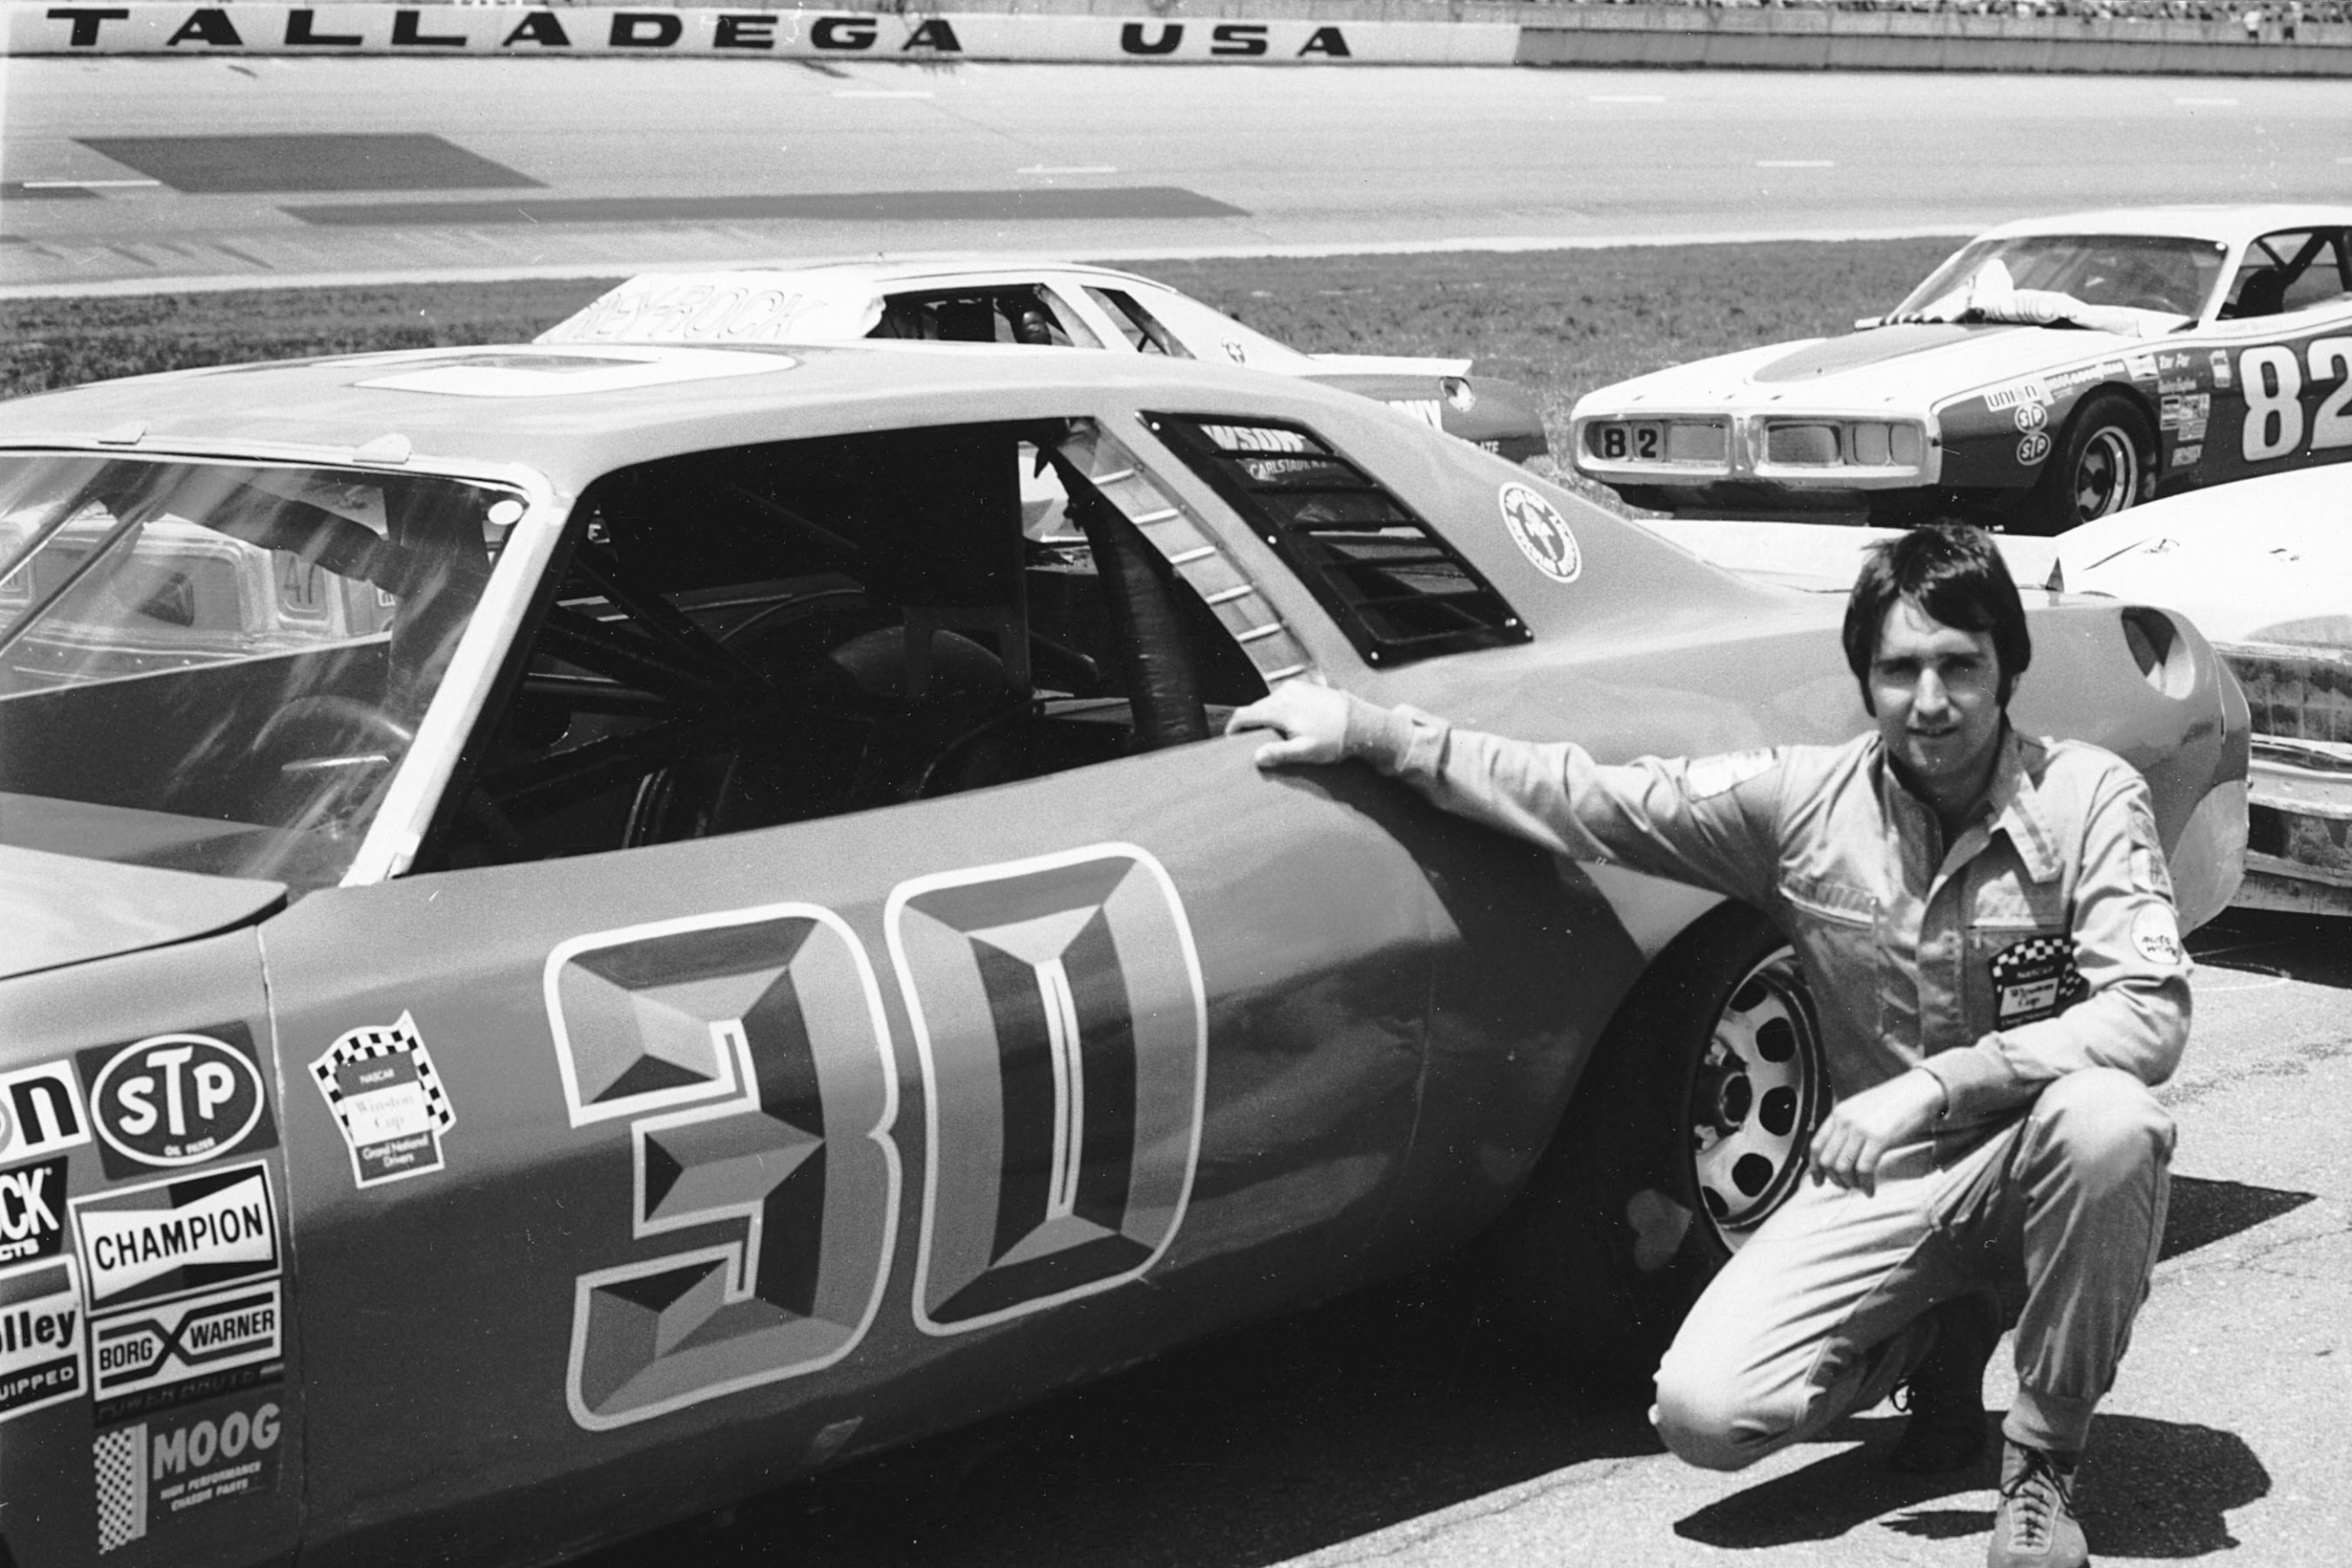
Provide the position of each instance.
(883, 272)
(573, 411)
(2228, 223)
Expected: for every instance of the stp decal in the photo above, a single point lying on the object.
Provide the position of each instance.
(749, 1054)
(146, 1473)
(1541, 532)
(41, 1339)
(1058, 1012)
(387, 1098)
(177, 1100)
(40, 1110)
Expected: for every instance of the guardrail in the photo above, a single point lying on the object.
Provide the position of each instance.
(1260, 32)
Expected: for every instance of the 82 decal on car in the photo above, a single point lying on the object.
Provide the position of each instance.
(750, 1055)
(2273, 377)
(1059, 1013)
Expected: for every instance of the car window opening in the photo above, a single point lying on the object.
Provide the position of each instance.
(1143, 331)
(784, 632)
(1393, 583)
(1027, 314)
(2290, 271)
(217, 667)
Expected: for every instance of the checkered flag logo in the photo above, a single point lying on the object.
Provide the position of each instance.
(119, 1459)
(363, 1044)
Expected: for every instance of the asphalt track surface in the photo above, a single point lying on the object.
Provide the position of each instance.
(1397, 1426)
(135, 172)
(1401, 1427)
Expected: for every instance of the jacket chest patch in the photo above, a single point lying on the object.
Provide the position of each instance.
(2035, 979)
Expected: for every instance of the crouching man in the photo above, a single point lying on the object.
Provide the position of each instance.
(1987, 922)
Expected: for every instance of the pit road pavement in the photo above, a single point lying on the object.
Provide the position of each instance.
(1400, 1428)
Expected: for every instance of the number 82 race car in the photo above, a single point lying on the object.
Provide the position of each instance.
(596, 927)
(2058, 370)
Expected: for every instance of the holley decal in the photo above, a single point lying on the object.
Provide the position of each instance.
(41, 1339)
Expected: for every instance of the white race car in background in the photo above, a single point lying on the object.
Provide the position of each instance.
(2264, 570)
(1051, 305)
(2056, 370)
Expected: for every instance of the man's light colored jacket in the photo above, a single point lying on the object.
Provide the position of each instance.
(2041, 940)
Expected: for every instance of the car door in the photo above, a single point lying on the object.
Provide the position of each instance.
(629, 1181)
(2277, 391)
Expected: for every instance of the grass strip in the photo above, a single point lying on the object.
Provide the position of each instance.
(1561, 322)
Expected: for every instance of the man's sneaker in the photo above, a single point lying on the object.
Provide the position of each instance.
(2035, 1527)
(1945, 1393)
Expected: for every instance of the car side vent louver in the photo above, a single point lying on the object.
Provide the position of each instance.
(1398, 590)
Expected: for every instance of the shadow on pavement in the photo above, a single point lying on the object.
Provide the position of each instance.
(2150, 1489)
(2309, 948)
(2204, 1212)
(1268, 1442)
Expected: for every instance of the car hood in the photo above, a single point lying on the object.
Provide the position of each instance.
(61, 909)
(1386, 364)
(2265, 559)
(1912, 365)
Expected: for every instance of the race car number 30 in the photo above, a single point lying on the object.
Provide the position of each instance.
(748, 1056)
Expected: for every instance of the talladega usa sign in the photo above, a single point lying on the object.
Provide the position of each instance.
(521, 31)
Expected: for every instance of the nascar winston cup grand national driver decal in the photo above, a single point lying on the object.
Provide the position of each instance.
(388, 1100)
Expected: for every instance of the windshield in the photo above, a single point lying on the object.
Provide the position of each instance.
(2127, 282)
(216, 667)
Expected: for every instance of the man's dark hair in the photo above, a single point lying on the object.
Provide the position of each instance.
(1951, 568)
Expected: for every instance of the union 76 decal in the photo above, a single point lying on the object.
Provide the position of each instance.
(1058, 1011)
(749, 1054)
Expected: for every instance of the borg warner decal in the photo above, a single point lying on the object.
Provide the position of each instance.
(1542, 535)
(174, 1101)
(42, 1337)
(182, 1284)
(147, 1472)
(380, 1085)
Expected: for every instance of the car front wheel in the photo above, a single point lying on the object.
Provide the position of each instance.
(1690, 1128)
(2105, 463)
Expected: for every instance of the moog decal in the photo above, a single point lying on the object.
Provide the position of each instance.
(146, 1473)
(177, 1100)
(749, 1053)
(1058, 1011)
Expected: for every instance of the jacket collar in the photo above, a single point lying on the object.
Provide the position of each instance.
(2013, 803)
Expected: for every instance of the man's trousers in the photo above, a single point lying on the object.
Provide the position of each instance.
(1822, 1311)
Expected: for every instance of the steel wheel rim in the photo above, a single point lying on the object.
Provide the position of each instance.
(1756, 1098)
(2106, 476)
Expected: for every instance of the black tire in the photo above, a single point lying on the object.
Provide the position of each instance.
(1690, 1128)
(2106, 463)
